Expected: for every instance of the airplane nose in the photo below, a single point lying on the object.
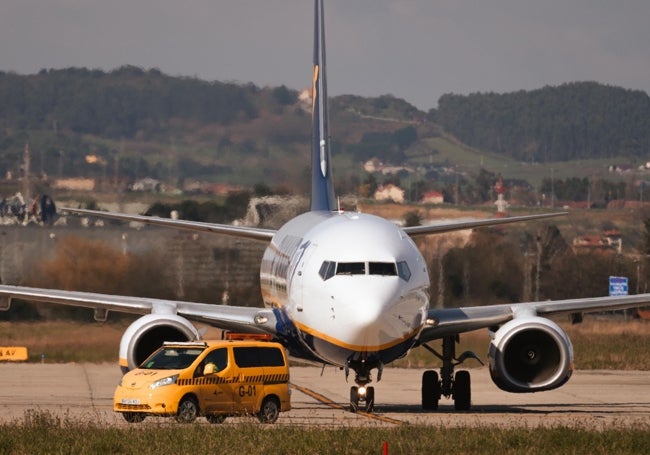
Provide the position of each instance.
(377, 314)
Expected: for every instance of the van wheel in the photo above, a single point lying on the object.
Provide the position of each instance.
(133, 417)
(216, 418)
(188, 410)
(270, 410)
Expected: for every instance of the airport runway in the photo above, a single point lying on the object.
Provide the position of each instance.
(591, 399)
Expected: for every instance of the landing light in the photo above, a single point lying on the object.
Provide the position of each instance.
(362, 391)
(259, 319)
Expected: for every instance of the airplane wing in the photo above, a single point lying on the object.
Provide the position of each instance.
(251, 233)
(457, 225)
(235, 318)
(265, 235)
(451, 321)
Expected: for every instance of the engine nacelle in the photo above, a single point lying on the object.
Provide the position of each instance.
(530, 354)
(147, 334)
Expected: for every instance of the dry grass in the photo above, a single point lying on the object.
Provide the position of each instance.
(598, 343)
(66, 341)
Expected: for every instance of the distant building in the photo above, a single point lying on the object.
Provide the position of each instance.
(75, 184)
(200, 187)
(146, 184)
(223, 189)
(432, 197)
(305, 99)
(620, 168)
(390, 192)
(372, 165)
(375, 165)
(609, 241)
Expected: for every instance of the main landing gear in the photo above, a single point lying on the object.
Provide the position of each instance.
(362, 396)
(456, 386)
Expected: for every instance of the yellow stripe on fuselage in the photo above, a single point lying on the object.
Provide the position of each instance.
(354, 347)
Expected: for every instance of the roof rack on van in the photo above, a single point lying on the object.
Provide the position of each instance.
(197, 344)
(249, 336)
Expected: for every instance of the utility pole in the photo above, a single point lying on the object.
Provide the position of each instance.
(27, 158)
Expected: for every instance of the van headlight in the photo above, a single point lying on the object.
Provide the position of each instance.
(164, 381)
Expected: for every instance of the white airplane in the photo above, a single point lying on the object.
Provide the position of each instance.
(351, 290)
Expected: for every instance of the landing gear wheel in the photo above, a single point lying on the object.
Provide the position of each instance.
(133, 417)
(215, 418)
(270, 410)
(354, 399)
(431, 391)
(370, 399)
(462, 392)
(188, 410)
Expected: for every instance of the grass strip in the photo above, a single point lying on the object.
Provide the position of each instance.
(44, 433)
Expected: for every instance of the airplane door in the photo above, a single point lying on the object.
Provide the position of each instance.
(304, 253)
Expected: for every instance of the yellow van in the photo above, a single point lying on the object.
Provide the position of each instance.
(214, 379)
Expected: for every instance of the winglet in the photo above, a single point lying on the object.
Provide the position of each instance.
(322, 186)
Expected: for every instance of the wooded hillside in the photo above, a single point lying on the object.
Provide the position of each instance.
(131, 123)
(572, 121)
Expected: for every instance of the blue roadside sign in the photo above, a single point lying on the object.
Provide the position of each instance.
(617, 285)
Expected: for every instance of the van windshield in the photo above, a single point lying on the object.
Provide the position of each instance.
(171, 359)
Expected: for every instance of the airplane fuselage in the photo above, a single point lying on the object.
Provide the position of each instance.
(347, 286)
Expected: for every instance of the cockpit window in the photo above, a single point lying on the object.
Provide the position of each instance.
(403, 270)
(382, 268)
(327, 269)
(351, 268)
(330, 268)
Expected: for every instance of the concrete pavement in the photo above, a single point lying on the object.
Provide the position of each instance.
(591, 399)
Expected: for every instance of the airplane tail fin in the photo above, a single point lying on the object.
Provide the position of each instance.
(322, 186)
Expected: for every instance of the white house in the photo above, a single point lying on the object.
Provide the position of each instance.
(390, 192)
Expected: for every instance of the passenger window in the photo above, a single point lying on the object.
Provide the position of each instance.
(382, 268)
(246, 357)
(327, 269)
(351, 268)
(403, 270)
(273, 357)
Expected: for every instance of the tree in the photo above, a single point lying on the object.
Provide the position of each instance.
(412, 218)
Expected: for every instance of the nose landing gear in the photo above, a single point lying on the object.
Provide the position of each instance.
(362, 396)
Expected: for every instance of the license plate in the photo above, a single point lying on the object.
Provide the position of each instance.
(130, 401)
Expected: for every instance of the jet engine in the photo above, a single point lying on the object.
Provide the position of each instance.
(146, 334)
(530, 354)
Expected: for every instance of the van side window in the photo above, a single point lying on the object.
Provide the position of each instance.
(247, 357)
(219, 357)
